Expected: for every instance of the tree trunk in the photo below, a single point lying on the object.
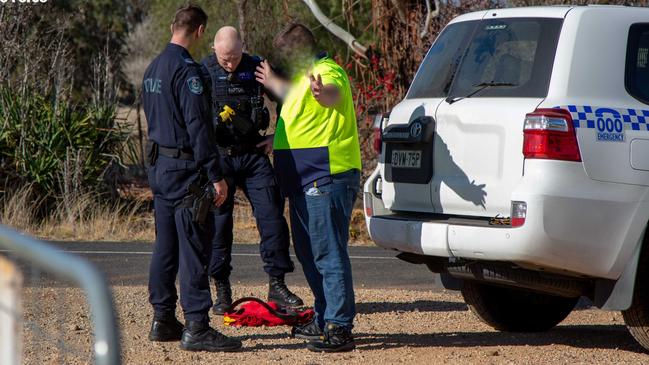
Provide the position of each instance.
(241, 11)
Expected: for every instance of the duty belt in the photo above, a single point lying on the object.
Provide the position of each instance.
(176, 153)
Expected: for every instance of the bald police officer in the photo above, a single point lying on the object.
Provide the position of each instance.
(240, 115)
(183, 166)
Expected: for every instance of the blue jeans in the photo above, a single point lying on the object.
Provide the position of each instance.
(320, 228)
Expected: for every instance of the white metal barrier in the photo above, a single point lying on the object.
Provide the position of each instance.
(10, 332)
(106, 347)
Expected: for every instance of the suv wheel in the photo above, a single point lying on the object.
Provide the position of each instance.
(637, 316)
(516, 310)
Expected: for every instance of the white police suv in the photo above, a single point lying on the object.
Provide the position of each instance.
(517, 165)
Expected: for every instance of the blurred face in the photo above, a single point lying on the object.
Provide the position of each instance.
(294, 58)
(228, 57)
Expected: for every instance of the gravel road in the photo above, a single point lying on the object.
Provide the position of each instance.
(393, 326)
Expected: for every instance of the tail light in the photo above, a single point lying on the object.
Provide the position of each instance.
(550, 134)
(377, 141)
(519, 213)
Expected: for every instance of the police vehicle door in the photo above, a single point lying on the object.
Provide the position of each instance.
(407, 153)
(503, 75)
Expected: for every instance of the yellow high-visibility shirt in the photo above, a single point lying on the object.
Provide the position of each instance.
(311, 141)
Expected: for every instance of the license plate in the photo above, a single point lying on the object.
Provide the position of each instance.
(406, 159)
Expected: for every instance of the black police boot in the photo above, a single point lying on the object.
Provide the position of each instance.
(279, 293)
(335, 339)
(199, 336)
(223, 296)
(309, 331)
(166, 329)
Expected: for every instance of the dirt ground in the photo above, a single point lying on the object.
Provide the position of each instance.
(392, 326)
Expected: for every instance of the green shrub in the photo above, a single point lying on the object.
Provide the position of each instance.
(56, 147)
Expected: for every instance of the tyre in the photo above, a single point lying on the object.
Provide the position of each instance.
(516, 310)
(637, 316)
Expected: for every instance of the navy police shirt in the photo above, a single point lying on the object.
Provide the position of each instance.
(176, 105)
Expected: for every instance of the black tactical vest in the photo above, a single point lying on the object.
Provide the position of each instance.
(240, 91)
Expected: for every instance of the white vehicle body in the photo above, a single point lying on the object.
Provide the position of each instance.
(584, 219)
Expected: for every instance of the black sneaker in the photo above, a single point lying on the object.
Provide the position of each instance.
(279, 293)
(163, 330)
(335, 339)
(199, 336)
(223, 301)
(309, 331)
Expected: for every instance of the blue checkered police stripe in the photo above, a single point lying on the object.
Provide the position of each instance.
(585, 116)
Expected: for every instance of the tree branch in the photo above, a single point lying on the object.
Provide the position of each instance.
(336, 30)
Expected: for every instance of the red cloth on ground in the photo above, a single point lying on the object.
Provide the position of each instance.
(254, 314)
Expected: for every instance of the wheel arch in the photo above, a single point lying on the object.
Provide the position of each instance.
(618, 294)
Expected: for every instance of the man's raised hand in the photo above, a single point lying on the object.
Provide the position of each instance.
(327, 95)
(316, 86)
(264, 73)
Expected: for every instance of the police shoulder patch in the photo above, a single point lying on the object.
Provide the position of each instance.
(195, 85)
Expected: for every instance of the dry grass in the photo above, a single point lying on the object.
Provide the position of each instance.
(88, 220)
(84, 218)
(15, 209)
(358, 234)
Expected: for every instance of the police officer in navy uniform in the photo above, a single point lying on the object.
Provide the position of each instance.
(182, 160)
(237, 99)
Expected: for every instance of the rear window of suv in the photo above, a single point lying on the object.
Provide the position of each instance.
(433, 80)
(517, 51)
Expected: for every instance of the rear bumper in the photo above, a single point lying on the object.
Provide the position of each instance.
(574, 225)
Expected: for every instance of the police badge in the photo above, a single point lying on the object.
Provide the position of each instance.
(195, 85)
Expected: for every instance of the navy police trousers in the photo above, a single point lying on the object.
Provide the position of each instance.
(253, 173)
(182, 247)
